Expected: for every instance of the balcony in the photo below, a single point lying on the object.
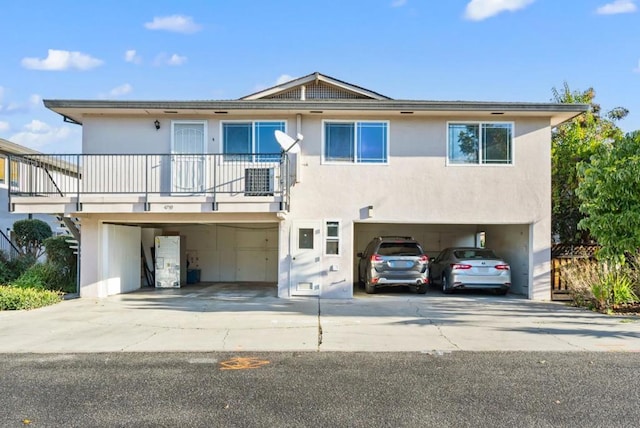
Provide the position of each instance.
(149, 182)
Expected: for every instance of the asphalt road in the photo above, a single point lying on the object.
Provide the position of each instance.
(460, 389)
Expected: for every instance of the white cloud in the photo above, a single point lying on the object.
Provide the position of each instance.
(174, 23)
(132, 56)
(118, 91)
(4, 126)
(283, 79)
(58, 60)
(164, 59)
(398, 3)
(176, 59)
(477, 10)
(35, 100)
(13, 107)
(40, 136)
(616, 7)
(1, 93)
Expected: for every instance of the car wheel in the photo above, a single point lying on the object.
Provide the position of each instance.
(445, 285)
(421, 289)
(369, 288)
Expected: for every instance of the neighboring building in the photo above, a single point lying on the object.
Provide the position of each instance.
(446, 173)
(7, 218)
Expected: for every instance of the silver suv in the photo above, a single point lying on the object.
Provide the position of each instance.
(391, 261)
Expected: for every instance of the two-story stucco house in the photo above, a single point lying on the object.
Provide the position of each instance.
(212, 172)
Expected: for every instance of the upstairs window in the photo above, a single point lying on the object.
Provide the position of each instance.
(251, 137)
(356, 142)
(480, 144)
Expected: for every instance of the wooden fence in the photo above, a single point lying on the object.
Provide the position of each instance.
(562, 255)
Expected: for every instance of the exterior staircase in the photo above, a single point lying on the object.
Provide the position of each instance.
(72, 227)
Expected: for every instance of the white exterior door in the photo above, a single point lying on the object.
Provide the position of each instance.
(306, 258)
(187, 157)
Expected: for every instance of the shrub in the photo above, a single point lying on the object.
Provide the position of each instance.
(30, 235)
(599, 285)
(11, 269)
(12, 298)
(47, 276)
(63, 261)
(59, 251)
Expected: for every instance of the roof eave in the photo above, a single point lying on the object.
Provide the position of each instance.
(75, 109)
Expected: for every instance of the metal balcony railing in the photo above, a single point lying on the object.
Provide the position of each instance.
(76, 175)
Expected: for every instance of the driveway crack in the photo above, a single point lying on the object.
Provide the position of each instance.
(224, 339)
(438, 327)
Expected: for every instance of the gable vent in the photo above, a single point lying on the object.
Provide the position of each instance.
(318, 91)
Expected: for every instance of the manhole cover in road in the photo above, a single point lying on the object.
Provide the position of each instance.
(241, 363)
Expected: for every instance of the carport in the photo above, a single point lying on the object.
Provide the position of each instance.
(224, 252)
(510, 241)
(119, 254)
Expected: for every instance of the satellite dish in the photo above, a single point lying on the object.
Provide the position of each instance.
(288, 144)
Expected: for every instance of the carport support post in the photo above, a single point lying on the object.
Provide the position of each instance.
(91, 260)
(540, 260)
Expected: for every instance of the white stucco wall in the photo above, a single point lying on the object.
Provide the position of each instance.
(415, 187)
(418, 187)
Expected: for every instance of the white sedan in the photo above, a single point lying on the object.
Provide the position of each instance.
(470, 268)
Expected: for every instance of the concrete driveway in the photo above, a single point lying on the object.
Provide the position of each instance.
(228, 317)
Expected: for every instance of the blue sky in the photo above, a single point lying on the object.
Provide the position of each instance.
(488, 50)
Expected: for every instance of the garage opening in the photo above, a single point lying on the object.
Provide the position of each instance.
(511, 242)
(235, 254)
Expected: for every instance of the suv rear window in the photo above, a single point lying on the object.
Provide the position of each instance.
(399, 249)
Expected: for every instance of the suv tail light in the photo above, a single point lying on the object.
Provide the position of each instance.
(460, 266)
(376, 258)
(424, 259)
(502, 267)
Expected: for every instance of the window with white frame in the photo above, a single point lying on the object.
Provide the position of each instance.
(332, 238)
(356, 141)
(252, 137)
(476, 143)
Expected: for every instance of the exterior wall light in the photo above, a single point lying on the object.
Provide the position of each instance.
(157, 124)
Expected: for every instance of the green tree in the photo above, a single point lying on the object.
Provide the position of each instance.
(572, 143)
(609, 190)
(30, 235)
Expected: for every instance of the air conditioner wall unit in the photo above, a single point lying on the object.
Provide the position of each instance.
(258, 182)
